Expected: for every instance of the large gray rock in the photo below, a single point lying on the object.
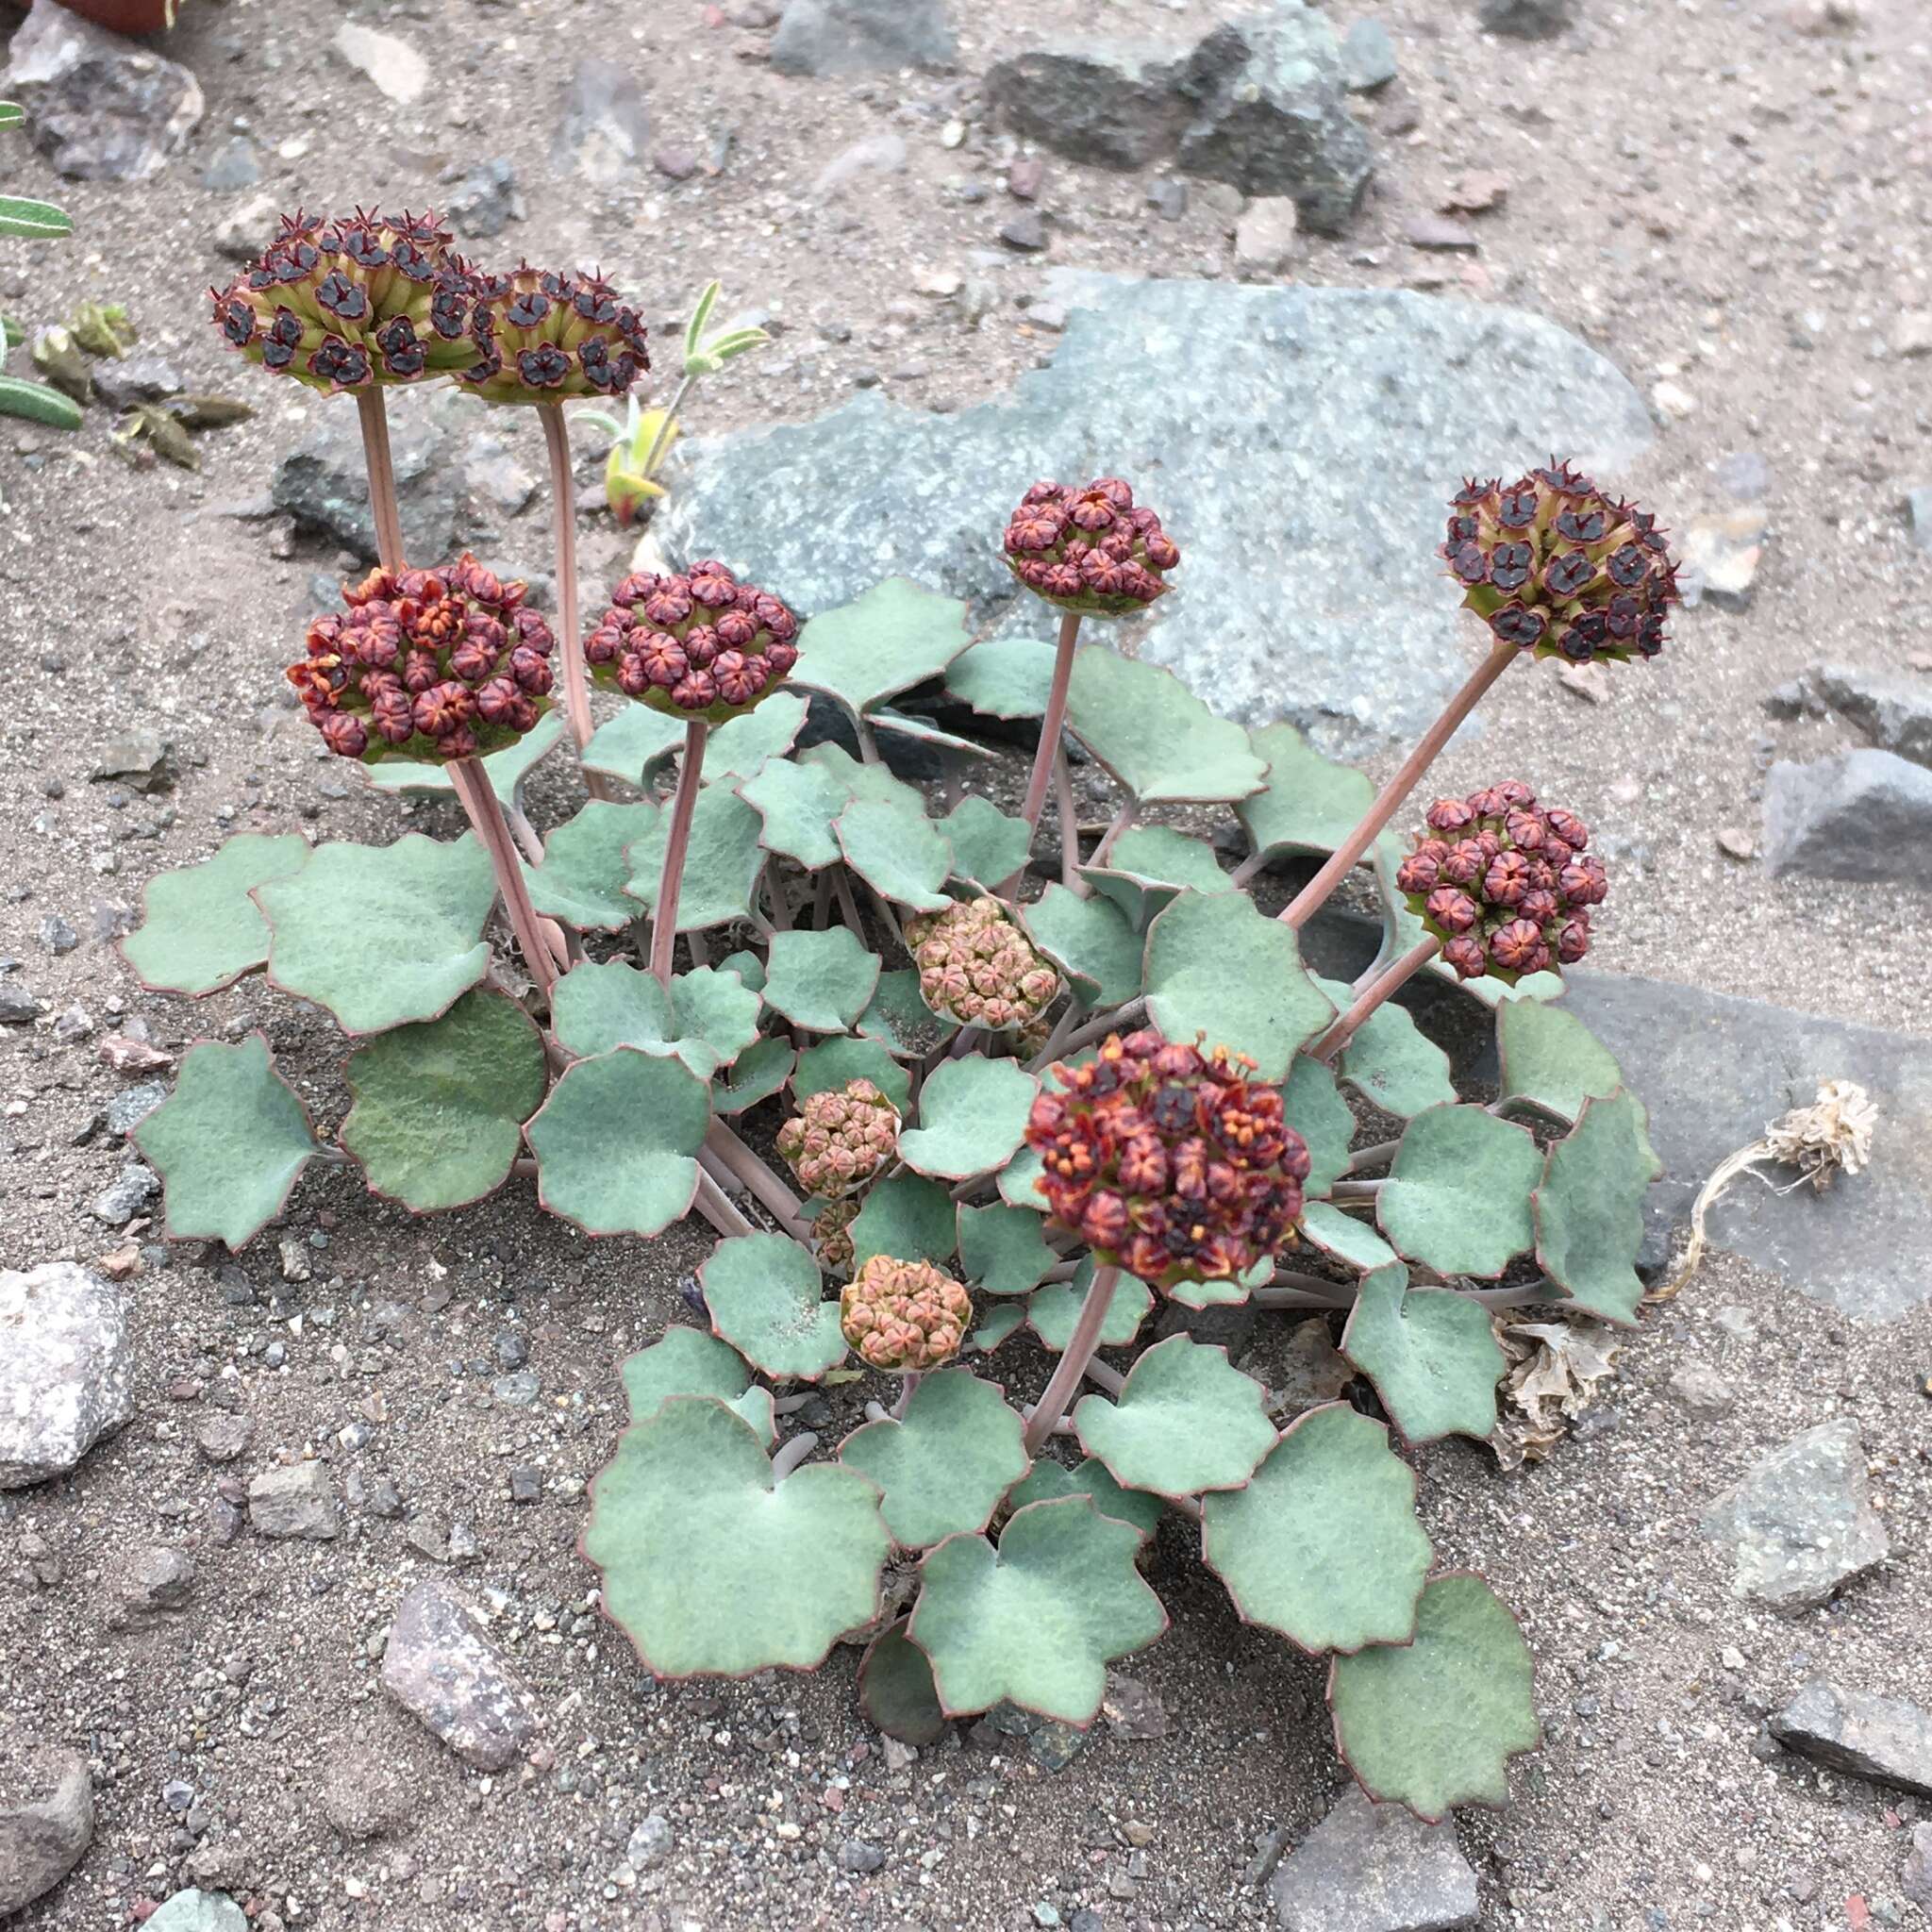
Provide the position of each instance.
(1882, 1738)
(1712, 1070)
(66, 1369)
(838, 37)
(1375, 1868)
(100, 107)
(1305, 484)
(1527, 20)
(1895, 711)
(323, 482)
(1864, 815)
(440, 1667)
(46, 1816)
(1111, 102)
(1801, 1524)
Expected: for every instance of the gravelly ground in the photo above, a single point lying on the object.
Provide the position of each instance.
(1705, 192)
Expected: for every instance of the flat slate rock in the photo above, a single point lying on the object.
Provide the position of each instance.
(1882, 1738)
(1864, 815)
(1892, 708)
(1349, 415)
(1713, 1071)
(1800, 1523)
(1375, 1868)
(66, 1369)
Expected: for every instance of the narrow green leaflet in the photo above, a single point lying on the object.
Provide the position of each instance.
(1038, 1620)
(721, 867)
(1187, 1421)
(1047, 1480)
(200, 930)
(900, 854)
(692, 1533)
(1051, 1310)
(833, 1063)
(687, 1361)
(1218, 966)
(796, 803)
(896, 636)
(1433, 1724)
(1154, 735)
(634, 745)
(36, 403)
(902, 1021)
(617, 1141)
(1003, 1250)
(1323, 1545)
(767, 1300)
(382, 935)
(1431, 1354)
(34, 221)
(1457, 1198)
(440, 1108)
(972, 1118)
(506, 769)
(1551, 1061)
(1314, 1106)
(1004, 678)
(820, 980)
(584, 869)
(909, 1219)
(1092, 941)
(1590, 1207)
(707, 1018)
(228, 1143)
(945, 1465)
(740, 746)
(1149, 865)
(1346, 1238)
(988, 846)
(896, 1688)
(1389, 1061)
(1311, 804)
(758, 1073)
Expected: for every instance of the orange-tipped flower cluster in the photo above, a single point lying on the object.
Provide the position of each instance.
(1167, 1162)
(1504, 883)
(840, 1138)
(904, 1315)
(426, 665)
(700, 645)
(1088, 550)
(1559, 567)
(977, 967)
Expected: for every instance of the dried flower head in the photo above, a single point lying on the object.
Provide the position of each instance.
(426, 665)
(1089, 549)
(839, 1139)
(538, 336)
(1169, 1162)
(1505, 884)
(904, 1315)
(700, 645)
(1561, 567)
(832, 1231)
(343, 304)
(975, 966)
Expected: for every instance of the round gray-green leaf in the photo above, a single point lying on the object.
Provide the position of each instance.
(1590, 1207)
(581, 880)
(1051, 1310)
(201, 930)
(1457, 1198)
(758, 1073)
(767, 1300)
(1047, 1480)
(836, 1061)
(944, 1465)
(1154, 735)
(797, 805)
(1186, 1421)
(972, 1118)
(901, 854)
(1091, 941)
(634, 745)
(988, 846)
(1003, 1250)
(1004, 678)
(820, 980)
(1551, 1061)
(896, 1690)
(1311, 804)
(706, 1020)
(896, 636)
(908, 1218)
(1389, 1061)
(1431, 1354)
(721, 865)
(687, 1361)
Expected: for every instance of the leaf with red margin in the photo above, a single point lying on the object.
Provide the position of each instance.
(1590, 1207)
(947, 1462)
(201, 929)
(1186, 1419)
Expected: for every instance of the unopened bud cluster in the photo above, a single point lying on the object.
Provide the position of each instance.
(700, 645)
(975, 966)
(1507, 884)
(1559, 567)
(1089, 549)
(832, 1233)
(426, 665)
(840, 1138)
(1169, 1162)
(904, 1315)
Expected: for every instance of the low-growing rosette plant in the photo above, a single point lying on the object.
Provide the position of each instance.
(956, 1125)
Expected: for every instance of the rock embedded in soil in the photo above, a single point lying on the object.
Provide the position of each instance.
(1864, 815)
(1375, 1868)
(439, 1666)
(1368, 56)
(1881, 1738)
(1801, 1524)
(825, 38)
(294, 1499)
(99, 107)
(1721, 553)
(66, 1369)
(1267, 237)
(147, 1586)
(1347, 628)
(605, 125)
(1527, 20)
(199, 1912)
(399, 72)
(1892, 710)
(365, 1795)
(46, 1816)
(483, 201)
(1112, 103)
(1916, 1879)
(323, 484)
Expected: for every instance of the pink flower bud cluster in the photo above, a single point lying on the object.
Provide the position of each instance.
(1088, 550)
(700, 645)
(977, 967)
(840, 1138)
(904, 1315)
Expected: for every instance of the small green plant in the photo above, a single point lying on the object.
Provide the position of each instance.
(1011, 1109)
(31, 221)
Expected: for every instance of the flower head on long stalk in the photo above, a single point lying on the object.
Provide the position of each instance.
(539, 335)
(699, 647)
(904, 1316)
(1088, 550)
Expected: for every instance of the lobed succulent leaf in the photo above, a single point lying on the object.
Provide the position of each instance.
(721, 865)
(1457, 1198)
(758, 1073)
(582, 878)
(1051, 1310)
(1342, 1238)
(1551, 1062)
(840, 1138)
(1431, 1354)
(845, 1057)
(1091, 941)
(798, 805)
(1388, 1059)
(1004, 678)
(988, 846)
(1089, 548)
(821, 981)
(201, 929)
(904, 1316)
(973, 1114)
(897, 635)
(707, 1017)
(700, 646)
(636, 745)
(1153, 736)
(1047, 1481)
(768, 1302)
(1149, 866)
(687, 1361)
(943, 1465)
(1187, 1421)
(906, 1217)
(900, 853)
(896, 1688)
(1003, 1250)
(1589, 1207)
(1309, 803)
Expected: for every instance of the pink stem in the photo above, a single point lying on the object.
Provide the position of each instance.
(576, 684)
(1070, 825)
(741, 1163)
(473, 787)
(718, 1207)
(1122, 819)
(1072, 1362)
(1373, 995)
(664, 907)
(1050, 724)
(1313, 895)
(382, 476)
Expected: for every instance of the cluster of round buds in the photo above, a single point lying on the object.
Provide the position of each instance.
(429, 665)
(541, 337)
(344, 303)
(840, 1138)
(1169, 1162)
(1560, 567)
(700, 645)
(1505, 884)
(1088, 550)
(832, 1231)
(904, 1315)
(977, 967)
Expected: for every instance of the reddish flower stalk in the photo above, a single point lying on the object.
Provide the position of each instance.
(671, 877)
(576, 683)
(1051, 722)
(374, 412)
(1390, 980)
(1080, 1350)
(479, 796)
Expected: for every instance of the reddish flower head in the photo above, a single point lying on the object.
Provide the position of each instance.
(538, 336)
(840, 1138)
(904, 1315)
(701, 645)
(1088, 550)
(977, 967)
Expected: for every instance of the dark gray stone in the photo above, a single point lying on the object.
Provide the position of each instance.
(1525, 20)
(66, 1369)
(118, 1203)
(843, 36)
(46, 1816)
(1863, 815)
(605, 127)
(1893, 709)
(294, 1499)
(483, 201)
(441, 1667)
(1375, 1868)
(323, 484)
(1107, 102)
(99, 107)
(650, 1843)
(1800, 1523)
(129, 379)
(1916, 1878)
(1345, 625)
(1368, 56)
(855, 1854)
(133, 1105)
(1882, 1738)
